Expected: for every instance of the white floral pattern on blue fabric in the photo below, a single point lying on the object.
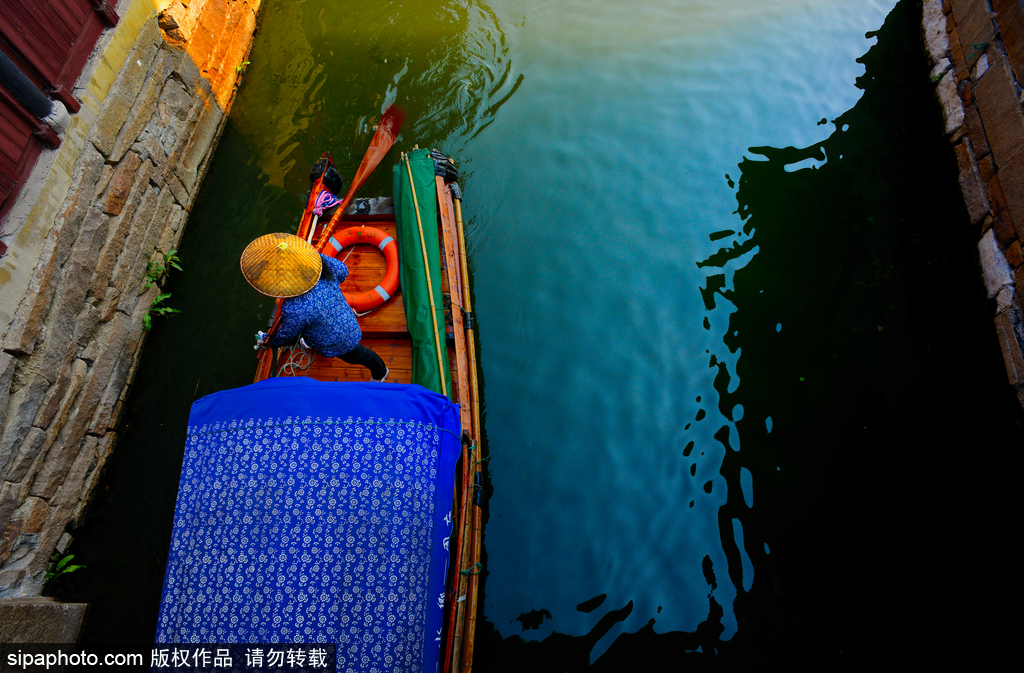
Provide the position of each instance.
(306, 530)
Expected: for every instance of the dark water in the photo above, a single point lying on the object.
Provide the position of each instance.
(741, 401)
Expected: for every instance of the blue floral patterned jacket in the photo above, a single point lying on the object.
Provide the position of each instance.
(321, 316)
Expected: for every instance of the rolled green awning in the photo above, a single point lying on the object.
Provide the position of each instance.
(414, 274)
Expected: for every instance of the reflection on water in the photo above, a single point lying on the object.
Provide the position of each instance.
(606, 434)
(666, 338)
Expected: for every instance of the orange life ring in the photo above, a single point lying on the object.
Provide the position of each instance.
(371, 299)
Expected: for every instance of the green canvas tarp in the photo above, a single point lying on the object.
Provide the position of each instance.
(414, 274)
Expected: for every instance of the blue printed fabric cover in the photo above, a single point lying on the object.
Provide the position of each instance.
(315, 512)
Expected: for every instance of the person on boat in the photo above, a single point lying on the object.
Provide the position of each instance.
(314, 308)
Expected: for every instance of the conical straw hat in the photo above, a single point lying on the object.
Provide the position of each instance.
(281, 265)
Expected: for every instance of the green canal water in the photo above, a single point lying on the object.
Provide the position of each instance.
(730, 318)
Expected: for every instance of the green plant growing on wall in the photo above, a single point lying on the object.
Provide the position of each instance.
(157, 309)
(59, 566)
(241, 66)
(156, 272)
(158, 267)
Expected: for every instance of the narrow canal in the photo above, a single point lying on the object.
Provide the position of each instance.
(729, 310)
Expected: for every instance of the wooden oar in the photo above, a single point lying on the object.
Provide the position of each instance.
(383, 139)
(477, 525)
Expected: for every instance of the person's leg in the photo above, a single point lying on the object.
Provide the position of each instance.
(361, 355)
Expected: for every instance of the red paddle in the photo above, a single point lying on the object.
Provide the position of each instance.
(382, 141)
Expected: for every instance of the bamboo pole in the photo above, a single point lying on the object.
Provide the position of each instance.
(430, 286)
(476, 532)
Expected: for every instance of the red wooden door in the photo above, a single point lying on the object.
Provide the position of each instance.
(50, 42)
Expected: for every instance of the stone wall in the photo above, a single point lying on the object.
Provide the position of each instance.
(976, 48)
(72, 284)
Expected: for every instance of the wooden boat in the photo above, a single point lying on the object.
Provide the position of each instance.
(385, 330)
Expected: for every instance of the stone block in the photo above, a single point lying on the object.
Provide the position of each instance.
(966, 92)
(12, 495)
(232, 47)
(21, 335)
(952, 106)
(933, 25)
(1011, 178)
(22, 408)
(974, 23)
(1010, 18)
(960, 70)
(104, 448)
(986, 169)
(7, 365)
(940, 69)
(1010, 331)
(85, 323)
(175, 219)
(70, 490)
(149, 147)
(70, 296)
(113, 253)
(33, 514)
(189, 74)
(26, 460)
(171, 235)
(62, 394)
(179, 191)
(203, 43)
(48, 622)
(104, 418)
(9, 541)
(144, 106)
(121, 334)
(130, 271)
(56, 521)
(1003, 220)
(10, 578)
(109, 122)
(976, 132)
(199, 145)
(165, 212)
(107, 308)
(65, 447)
(1000, 112)
(1013, 254)
(56, 463)
(970, 183)
(1006, 299)
(995, 270)
(168, 238)
(54, 397)
(90, 169)
(170, 125)
(24, 548)
(121, 184)
(981, 65)
(137, 66)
